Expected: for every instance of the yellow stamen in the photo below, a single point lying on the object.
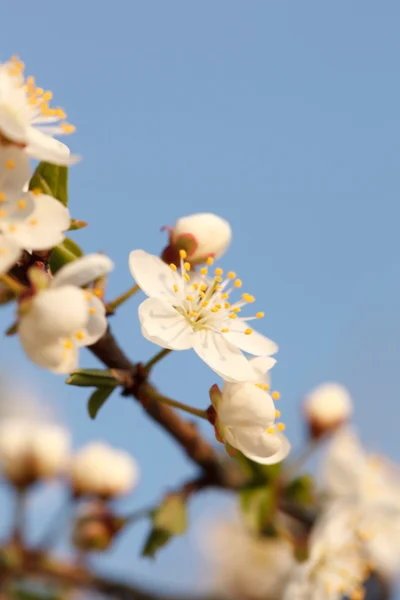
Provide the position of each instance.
(193, 313)
(281, 427)
(271, 430)
(80, 335)
(2, 197)
(68, 344)
(203, 287)
(98, 292)
(92, 311)
(186, 277)
(224, 296)
(182, 253)
(190, 298)
(214, 309)
(232, 316)
(33, 222)
(225, 330)
(36, 191)
(259, 315)
(204, 270)
(218, 271)
(196, 286)
(67, 128)
(21, 204)
(218, 279)
(275, 395)
(248, 331)
(237, 309)
(186, 266)
(277, 414)
(12, 228)
(176, 288)
(173, 267)
(227, 305)
(238, 283)
(231, 275)
(210, 261)
(10, 164)
(204, 303)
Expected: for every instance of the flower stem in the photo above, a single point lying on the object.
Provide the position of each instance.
(19, 516)
(156, 358)
(153, 395)
(12, 284)
(111, 306)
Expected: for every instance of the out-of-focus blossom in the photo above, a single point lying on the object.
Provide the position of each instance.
(95, 527)
(100, 470)
(183, 313)
(327, 407)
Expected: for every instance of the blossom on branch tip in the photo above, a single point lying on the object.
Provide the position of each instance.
(100, 470)
(193, 311)
(246, 417)
(26, 118)
(327, 407)
(201, 235)
(59, 319)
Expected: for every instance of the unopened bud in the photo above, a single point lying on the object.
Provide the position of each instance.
(200, 235)
(32, 451)
(100, 470)
(327, 407)
(95, 527)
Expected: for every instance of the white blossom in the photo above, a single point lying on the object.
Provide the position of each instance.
(30, 451)
(56, 321)
(327, 407)
(336, 566)
(32, 219)
(184, 312)
(246, 417)
(27, 120)
(201, 235)
(244, 565)
(100, 470)
(9, 253)
(367, 488)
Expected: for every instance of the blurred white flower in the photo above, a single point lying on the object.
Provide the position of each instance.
(368, 489)
(337, 565)
(9, 253)
(58, 320)
(183, 313)
(243, 565)
(33, 220)
(201, 235)
(327, 407)
(26, 118)
(246, 417)
(100, 470)
(30, 451)
(95, 526)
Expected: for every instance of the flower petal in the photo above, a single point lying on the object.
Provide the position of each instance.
(262, 365)
(223, 358)
(258, 445)
(57, 355)
(345, 465)
(97, 322)
(9, 253)
(83, 271)
(153, 276)
(43, 147)
(163, 325)
(45, 226)
(15, 169)
(245, 404)
(255, 343)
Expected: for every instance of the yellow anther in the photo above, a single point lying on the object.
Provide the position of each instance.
(190, 298)
(281, 427)
(224, 296)
(2, 197)
(232, 316)
(218, 271)
(196, 286)
(248, 297)
(58, 112)
(238, 283)
(92, 311)
(231, 275)
(202, 294)
(227, 305)
(98, 292)
(214, 309)
(68, 128)
(218, 279)
(275, 395)
(182, 253)
(248, 331)
(259, 315)
(3, 213)
(203, 287)
(204, 270)
(277, 414)
(21, 204)
(204, 303)
(186, 266)
(80, 335)
(30, 80)
(47, 96)
(10, 164)
(271, 430)
(176, 288)
(193, 313)
(68, 344)
(12, 228)
(217, 287)
(40, 91)
(210, 261)
(36, 191)
(263, 386)
(237, 309)
(173, 267)
(218, 306)
(33, 222)
(186, 277)
(224, 330)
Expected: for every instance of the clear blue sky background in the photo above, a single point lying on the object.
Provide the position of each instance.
(283, 117)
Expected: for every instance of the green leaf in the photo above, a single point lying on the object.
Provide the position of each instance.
(301, 490)
(171, 515)
(75, 224)
(64, 253)
(97, 400)
(93, 378)
(258, 506)
(156, 539)
(258, 474)
(51, 180)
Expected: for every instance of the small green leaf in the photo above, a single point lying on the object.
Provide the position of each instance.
(93, 378)
(51, 180)
(64, 253)
(75, 224)
(258, 474)
(171, 515)
(97, 400)
(257, 505)
(156, 539)
(301, 490)
(12, 330)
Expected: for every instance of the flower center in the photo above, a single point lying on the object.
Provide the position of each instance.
(204, 300)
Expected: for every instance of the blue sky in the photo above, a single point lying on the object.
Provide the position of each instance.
(281, 117)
